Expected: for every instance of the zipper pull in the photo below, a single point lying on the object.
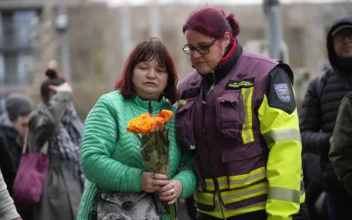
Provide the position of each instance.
(150, 108)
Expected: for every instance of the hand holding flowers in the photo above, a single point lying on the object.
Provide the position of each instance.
(150, 184)
(171, 191)
(153, 135)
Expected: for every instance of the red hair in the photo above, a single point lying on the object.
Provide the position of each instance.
(147, 51)
(213, 23)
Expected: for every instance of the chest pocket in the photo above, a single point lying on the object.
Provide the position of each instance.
(184, 124)
(229, 115)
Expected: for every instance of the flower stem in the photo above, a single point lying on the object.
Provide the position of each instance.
(169, 209)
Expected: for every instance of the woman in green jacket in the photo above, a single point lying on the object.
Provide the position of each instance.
(111, 158)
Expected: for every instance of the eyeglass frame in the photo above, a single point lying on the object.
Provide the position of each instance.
(341, 35)
(192, 49)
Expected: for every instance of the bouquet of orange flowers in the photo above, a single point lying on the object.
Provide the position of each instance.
(154, 139)
(154, 146)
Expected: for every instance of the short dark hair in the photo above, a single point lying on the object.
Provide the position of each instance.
(212, 22)
(146, 51)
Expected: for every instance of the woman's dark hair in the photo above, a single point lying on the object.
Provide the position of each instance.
(147, 51)
(212, 22)
(53, 79)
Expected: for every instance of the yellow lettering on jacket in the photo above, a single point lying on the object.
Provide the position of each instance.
(241, 84)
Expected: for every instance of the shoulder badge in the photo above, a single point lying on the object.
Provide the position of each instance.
(283, 92)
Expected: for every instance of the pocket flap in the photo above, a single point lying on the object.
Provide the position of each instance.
(185, 106)
(229, 97)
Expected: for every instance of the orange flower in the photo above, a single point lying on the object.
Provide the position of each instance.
(153, 124)
(141, 124)
(145, 116)
(145, 123)
(166, 114)
(160, 121)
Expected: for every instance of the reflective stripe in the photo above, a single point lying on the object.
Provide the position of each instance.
(290, 134)
(209, 184)
(242, 180)
(204, 198)
(247, 133)
(232, 196)
(236, 181)
(242, 194)
(221, 212)
(279, 193)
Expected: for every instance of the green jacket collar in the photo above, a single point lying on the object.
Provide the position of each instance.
(150, 106)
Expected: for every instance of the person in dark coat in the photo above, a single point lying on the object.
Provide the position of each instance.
(341, 149)
(13, 126)
(319, 111)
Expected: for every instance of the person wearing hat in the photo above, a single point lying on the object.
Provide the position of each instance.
(13, 127)
(319, 112)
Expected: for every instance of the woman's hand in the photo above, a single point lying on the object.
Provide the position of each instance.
(152, 182)
(171, 191)
(65, 87)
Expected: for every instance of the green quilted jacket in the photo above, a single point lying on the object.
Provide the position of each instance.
(111, 157)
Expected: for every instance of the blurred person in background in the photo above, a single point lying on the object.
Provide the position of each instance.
(340, 153)
(319, 111)
(237, 114)
(13, 127)
(111, 158)
(56, 121)
(7, 208)
(315, 195)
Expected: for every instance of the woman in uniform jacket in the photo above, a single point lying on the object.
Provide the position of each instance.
(237, 114)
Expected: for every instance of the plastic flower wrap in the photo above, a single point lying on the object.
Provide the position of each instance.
(154, 146)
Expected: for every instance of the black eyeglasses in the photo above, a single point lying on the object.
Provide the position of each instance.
(341, 35)
(203, 49)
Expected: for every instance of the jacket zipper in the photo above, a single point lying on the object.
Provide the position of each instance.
(216, 187)
(150, 108)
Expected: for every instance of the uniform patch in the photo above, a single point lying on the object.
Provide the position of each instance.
(283, 92)
(182, 102)
(246, 83)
